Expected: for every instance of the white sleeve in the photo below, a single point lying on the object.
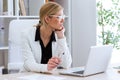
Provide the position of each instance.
(63, 52)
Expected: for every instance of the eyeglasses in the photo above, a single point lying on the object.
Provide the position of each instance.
(59, 17)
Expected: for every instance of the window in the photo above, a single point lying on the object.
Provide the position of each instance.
(108, 26)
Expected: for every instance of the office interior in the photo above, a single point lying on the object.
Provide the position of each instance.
(80, 26)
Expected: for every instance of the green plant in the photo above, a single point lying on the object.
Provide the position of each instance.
(109, 21)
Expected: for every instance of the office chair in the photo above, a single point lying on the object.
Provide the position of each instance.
(15, 61)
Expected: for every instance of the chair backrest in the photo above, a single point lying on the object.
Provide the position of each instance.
(16, 27)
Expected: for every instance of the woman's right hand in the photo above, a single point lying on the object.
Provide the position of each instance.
(53, 63)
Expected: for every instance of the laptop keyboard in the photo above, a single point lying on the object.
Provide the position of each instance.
(79, 72)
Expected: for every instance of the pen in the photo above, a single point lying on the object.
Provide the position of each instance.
(60, 56)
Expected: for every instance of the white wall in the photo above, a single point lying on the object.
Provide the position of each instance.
(83, 29)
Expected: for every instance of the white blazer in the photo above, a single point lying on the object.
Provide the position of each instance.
(31, 50)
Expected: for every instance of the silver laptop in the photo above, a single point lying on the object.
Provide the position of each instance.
(98, 60)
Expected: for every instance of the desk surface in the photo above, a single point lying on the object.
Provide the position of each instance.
(110, 74)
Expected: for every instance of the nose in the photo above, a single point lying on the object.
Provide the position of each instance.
(62, 20)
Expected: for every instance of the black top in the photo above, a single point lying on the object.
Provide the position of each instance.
(46, 51)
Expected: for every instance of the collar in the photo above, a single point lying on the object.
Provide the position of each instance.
(37, 35)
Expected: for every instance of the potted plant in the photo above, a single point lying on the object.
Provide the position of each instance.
(108, 20)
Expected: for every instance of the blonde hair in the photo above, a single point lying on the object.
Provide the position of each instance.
(49, 8)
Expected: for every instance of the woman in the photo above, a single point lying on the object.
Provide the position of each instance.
(44, 47)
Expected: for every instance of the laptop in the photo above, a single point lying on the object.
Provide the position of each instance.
(98, 60)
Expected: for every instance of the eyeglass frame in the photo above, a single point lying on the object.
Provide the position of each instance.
(59, 17)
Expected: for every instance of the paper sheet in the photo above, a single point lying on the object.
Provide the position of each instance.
(41, 77)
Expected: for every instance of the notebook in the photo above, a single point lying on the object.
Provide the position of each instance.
(98, 60)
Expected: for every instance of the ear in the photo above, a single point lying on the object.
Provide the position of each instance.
(47, 19)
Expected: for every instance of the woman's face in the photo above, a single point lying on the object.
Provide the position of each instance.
(56, 21)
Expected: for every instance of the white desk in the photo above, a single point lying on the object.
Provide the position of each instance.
(110, 74)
